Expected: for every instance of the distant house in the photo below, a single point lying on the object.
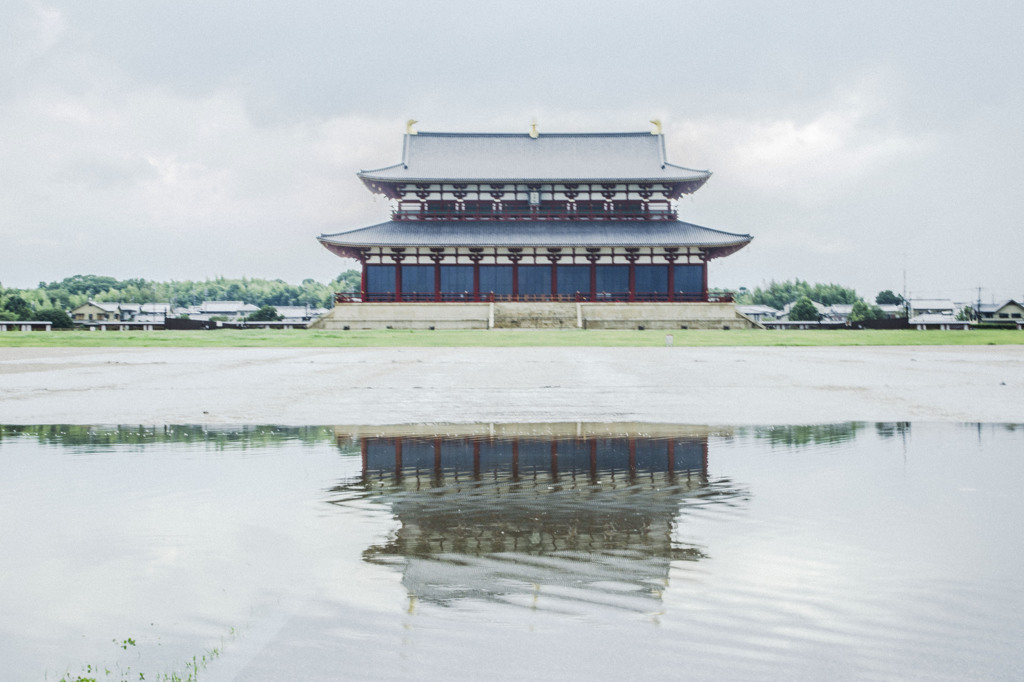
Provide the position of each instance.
(128, 310)
(932, 306)
(937, 321)
(229, 310)
(1006, 312)
(758, 313)
(156, 313)
(822, 310)
(96, 312)
(839, 312)
(299, 313)
(892, 310)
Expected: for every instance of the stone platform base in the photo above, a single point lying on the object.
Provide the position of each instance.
(534, 315)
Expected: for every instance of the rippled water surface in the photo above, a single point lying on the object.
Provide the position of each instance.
(580, 551)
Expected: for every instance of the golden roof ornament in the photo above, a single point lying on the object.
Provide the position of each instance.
(408, 126)
(533, 130)
(657, 126)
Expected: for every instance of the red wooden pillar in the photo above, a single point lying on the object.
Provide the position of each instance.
(593, 281)
(398, 282)
(515, 281)
(437, 281)
(554, 281)
(704, 277)
(632, 281)
(671, 282)
(476, 281)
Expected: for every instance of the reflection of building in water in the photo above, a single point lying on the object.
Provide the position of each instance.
(499, 511)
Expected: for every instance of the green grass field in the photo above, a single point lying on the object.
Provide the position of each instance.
(254, 338)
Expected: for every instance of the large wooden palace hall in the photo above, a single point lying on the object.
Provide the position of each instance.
(534, 217)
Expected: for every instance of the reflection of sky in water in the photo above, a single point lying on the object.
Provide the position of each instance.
(851, 550)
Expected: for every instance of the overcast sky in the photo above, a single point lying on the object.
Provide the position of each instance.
(193, 139)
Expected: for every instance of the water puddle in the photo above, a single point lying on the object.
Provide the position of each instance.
(509, 550)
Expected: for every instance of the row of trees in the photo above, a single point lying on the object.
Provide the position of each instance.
(804, 311)
(802, 294)
(49, 301)
(72, 292)
(779, 294)
(14, 307)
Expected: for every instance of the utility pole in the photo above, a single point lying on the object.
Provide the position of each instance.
(906, 297)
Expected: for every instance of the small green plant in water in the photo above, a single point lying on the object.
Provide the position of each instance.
(91, 673)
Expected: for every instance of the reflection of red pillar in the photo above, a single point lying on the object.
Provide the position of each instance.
(362, 452)
(476, 459)
(554, 458)
(515, 459)
(398, 456)
(593, 458)
(671, 456)
(437, 455)
(632, 457)
(704, 464)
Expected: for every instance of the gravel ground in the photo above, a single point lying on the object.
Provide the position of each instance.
(374, 386)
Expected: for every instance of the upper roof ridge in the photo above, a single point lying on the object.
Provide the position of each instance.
(539, 134)
(429, 157)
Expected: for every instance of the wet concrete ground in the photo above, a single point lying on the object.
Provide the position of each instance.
(306, 386)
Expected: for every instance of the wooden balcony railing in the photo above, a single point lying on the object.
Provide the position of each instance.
(535, 213)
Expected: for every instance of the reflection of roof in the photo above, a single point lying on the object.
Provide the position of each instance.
(548, 157)
(560, 233)
(498, 539)
(551, 430)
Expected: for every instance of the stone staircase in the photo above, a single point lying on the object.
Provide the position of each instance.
(536, 315)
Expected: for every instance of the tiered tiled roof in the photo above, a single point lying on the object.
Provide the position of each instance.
(542, 233)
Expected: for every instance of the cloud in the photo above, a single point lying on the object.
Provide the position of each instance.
(150, 183)
(825, 152)
(193, 139)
